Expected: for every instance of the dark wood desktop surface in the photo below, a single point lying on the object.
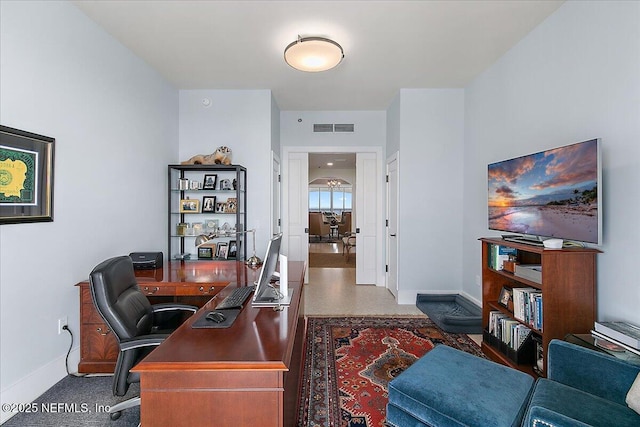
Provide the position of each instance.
(246, 374)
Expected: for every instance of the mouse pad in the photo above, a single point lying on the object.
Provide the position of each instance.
(203, 322)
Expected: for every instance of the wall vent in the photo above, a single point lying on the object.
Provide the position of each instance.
(328, 127)
(343, 127)
(322, 127)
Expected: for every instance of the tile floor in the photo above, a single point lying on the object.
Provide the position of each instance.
(333, 292)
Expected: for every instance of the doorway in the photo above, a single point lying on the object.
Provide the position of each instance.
(368, 213)
(331, 187)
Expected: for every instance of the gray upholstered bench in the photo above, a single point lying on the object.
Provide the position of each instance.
(448, 387)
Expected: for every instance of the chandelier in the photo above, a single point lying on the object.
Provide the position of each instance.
(333, 183)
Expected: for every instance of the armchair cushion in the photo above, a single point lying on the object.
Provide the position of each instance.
(590, 371)
(556, 404)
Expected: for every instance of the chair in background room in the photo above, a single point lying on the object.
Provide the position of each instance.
(317, 227)
(344, 226)
(131, 318)
(348, 243)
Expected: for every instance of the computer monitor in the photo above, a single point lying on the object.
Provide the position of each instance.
(265, 294)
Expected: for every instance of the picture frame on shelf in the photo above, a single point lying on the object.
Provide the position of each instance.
(234, 249)
(209, 204)
(223, 250)
(189, 206)
(231, 206)
(220, 207)
(26, 173)
(205, 252)
(210, 181)
(225, 184)
(506, 297)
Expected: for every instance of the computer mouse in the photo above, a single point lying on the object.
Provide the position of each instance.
(216, 316)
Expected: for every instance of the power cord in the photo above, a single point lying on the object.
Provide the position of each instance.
(66, 360)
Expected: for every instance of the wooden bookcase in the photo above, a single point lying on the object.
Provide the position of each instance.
(568, 288)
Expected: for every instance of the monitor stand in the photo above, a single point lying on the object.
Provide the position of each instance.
(273, 301)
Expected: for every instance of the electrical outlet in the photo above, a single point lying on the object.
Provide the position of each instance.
(478, 281)
(62, 322)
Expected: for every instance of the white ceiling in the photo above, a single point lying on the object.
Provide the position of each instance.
(388, 45)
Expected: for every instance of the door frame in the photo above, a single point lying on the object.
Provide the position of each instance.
(380, 279)
(392, 258)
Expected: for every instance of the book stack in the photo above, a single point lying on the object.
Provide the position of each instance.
(499, 254)
(509, 331)
(622, 334)
(527, 306)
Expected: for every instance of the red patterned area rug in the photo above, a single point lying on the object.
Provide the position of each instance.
(349, 361)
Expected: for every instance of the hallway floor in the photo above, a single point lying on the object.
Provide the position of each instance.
(333, 292)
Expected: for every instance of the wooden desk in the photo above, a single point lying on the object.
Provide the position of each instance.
(246, 374)
(192, 282)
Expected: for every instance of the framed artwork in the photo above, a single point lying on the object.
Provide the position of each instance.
(222, 250)
(220, 207)
(26, 176)
(210, 181)
(209, 204)
(189, 206)
(205, 252)
(232, 205)
(506, 297)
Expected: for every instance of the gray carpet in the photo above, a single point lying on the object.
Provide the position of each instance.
(76, 398)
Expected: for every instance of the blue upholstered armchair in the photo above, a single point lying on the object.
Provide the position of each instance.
(451, 388)
(583, 388)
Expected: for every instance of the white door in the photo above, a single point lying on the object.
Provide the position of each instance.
(392, 226)
(367, 214)
(295, 214)
(275, 195)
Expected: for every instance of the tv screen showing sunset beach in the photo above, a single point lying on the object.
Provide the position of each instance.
(553, 193)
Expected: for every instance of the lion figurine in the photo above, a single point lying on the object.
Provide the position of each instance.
(222, 156)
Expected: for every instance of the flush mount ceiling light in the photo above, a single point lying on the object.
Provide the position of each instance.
(313, 54)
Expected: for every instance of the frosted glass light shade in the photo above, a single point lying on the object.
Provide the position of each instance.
(313, 54)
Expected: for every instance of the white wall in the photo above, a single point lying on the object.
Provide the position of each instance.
(296, 129)
(242, 121)
(574, 77)
(429, 127)
(115, 124)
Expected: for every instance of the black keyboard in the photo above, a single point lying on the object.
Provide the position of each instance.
(236, 298)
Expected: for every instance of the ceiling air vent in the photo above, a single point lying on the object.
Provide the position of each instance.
(322, 127)
(343, 127)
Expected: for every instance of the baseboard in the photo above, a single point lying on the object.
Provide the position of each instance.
(30, 387)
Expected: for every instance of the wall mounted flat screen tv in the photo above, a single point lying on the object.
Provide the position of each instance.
(554, 193)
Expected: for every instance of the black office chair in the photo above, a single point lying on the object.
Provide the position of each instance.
(133, 320)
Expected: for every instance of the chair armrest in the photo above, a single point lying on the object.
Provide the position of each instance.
(172, 306)
(143, 341)
(591, 371)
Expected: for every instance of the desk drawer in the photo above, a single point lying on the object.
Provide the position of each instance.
(98, 343)
(197, 290)
(154, 290)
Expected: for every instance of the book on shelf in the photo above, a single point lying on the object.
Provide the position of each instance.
(499, 254)
(598, 335)
(527, 306)
(623, 332)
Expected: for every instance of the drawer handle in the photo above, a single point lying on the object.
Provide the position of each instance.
(211, 289)
(151, 292)
(99, 330)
